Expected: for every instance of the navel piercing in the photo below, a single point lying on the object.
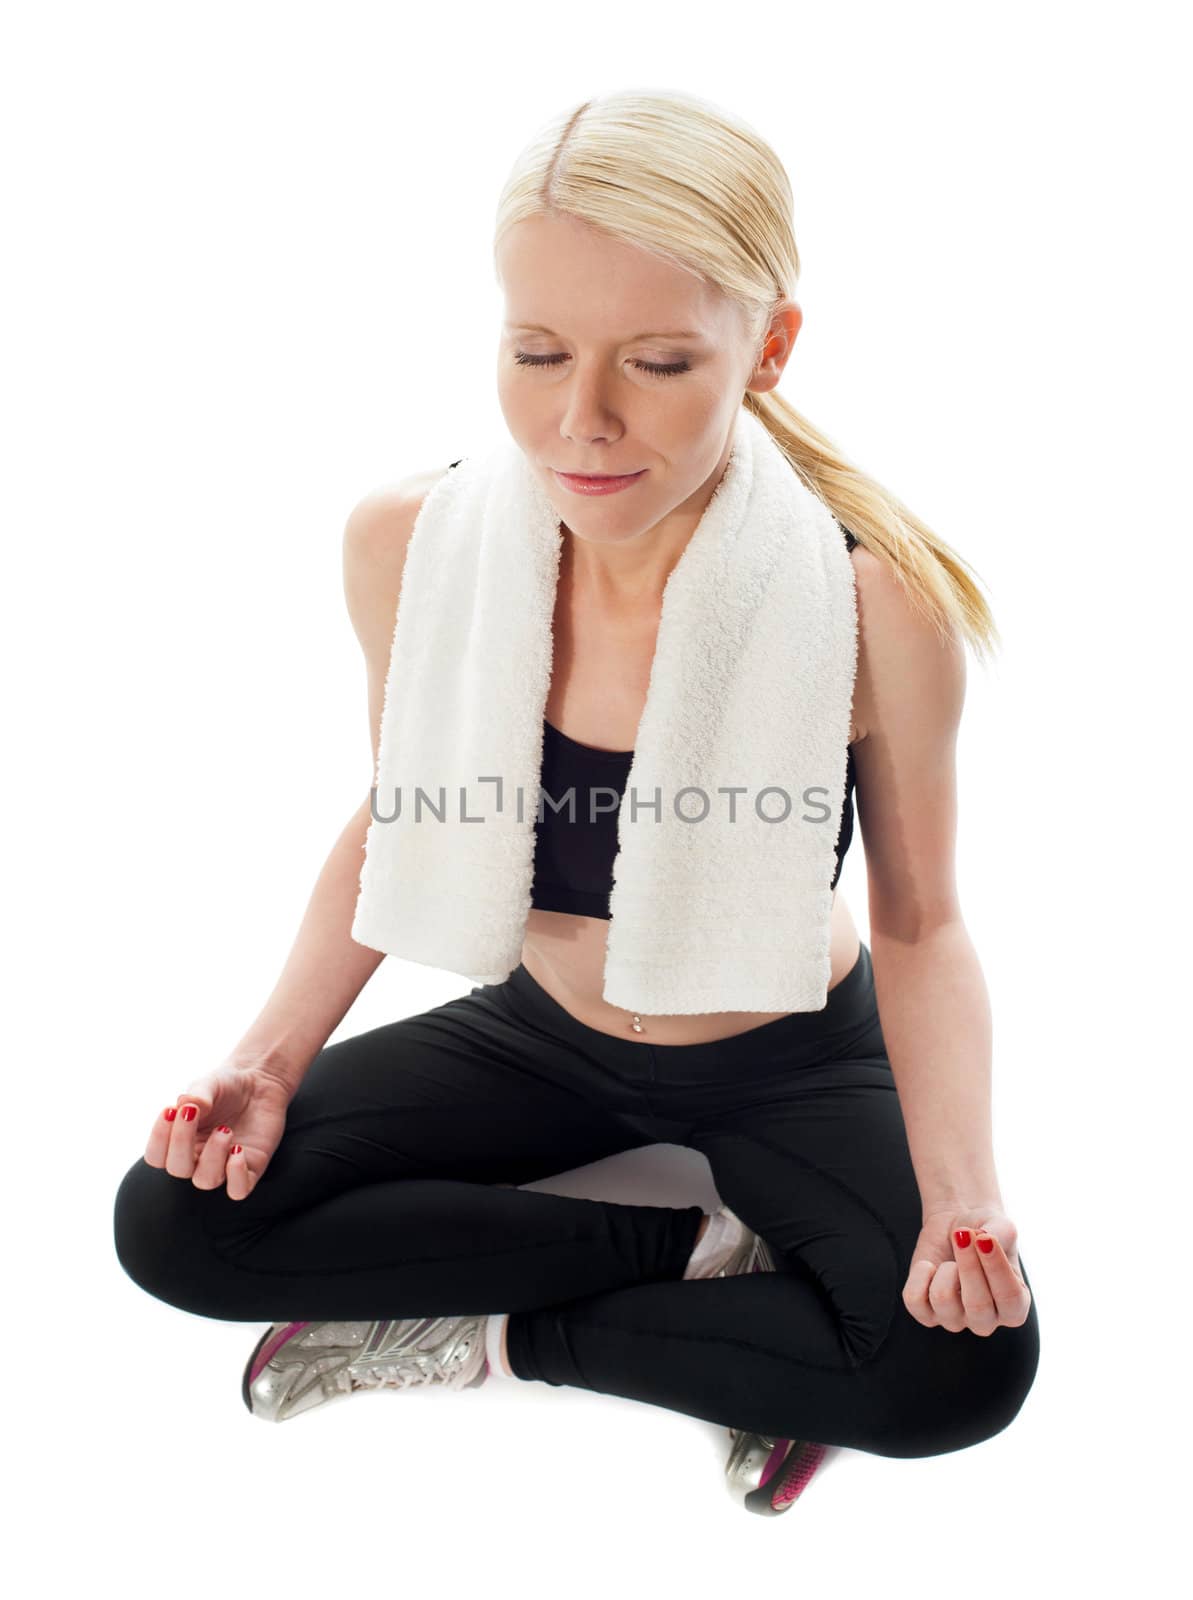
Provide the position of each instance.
(637, 1024)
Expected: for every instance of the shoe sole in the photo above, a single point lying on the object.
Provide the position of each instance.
(783, 1477)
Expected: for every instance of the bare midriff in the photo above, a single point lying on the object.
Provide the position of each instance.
(565, 954)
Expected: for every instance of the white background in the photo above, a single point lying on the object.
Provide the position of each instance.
(248, 280)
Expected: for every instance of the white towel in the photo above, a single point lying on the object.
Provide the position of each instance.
(751, 687)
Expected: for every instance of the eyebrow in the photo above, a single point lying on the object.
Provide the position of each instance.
(536, 327)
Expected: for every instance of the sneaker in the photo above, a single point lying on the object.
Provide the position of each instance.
(299, 1365)
(769, 1475)
(746, 1251)
(752, 1255)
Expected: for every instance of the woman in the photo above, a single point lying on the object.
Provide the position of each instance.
(847, 1292)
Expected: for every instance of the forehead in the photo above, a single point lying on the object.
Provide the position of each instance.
(562, 276)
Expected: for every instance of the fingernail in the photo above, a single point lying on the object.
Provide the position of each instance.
(962, 1237)
(189, 1113)
(236, 1149)
(223, 1128)
(985, 1242)
(170, 1113)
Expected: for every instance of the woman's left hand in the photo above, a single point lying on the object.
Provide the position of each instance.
(957, 1285)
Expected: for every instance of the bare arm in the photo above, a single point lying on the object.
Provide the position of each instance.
(932, 996)
(326, 969)
(324, 972)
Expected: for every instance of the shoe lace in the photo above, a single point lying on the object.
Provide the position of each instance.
(452, 1363)
(391, 1374)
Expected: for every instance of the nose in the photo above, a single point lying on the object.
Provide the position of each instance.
(586, 417)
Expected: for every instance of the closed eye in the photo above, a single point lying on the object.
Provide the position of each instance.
(653, 368)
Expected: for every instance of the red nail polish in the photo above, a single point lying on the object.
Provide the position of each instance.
(962, 1237)
(223, 1128)
(170, 1113)
(986, 1243)
(236, 1149)
(189, 1113)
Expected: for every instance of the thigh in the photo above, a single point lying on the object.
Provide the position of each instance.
(459, 1091)
(378, 1192)
(816, 1160)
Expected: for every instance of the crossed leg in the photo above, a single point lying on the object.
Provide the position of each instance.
(387, 1197)
(823, 1349)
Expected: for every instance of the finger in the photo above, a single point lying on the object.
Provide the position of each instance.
(159, 1137)
(976, 1299)
(209, 1169)
(240, 1179)
(1011, 1296)
(915, 1292)
(180, 1157)
(944, 1294)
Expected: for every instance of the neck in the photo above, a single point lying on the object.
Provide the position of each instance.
(626, 579)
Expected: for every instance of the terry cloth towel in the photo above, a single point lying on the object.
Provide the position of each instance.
(721, 898)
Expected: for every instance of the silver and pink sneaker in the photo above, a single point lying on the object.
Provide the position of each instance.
(299, 1365)
(750, 1254)
(769, 1475)
(755, 1256)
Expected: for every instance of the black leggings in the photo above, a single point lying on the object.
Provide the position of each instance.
(383, 1199)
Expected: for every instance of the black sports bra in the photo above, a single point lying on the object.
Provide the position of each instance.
(576, 840)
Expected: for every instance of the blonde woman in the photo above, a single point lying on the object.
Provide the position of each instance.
(861, 1285)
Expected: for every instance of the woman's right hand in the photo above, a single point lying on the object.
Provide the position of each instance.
(238, 1121)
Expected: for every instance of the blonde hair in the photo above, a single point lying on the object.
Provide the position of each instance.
(680, 177)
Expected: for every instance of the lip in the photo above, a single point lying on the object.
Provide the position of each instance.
(581, 483)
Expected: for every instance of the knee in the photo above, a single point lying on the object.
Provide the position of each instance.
(975, 1389)
(158, 1234)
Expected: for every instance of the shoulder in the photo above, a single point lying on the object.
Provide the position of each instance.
(375, 540)
(911, 685)
(908, 670)
(380, 524)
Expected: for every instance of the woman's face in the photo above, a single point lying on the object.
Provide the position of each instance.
(587, 321)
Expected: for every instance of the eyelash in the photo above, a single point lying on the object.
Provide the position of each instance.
(656, 371)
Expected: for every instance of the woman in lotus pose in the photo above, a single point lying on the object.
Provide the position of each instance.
(861, 1284)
